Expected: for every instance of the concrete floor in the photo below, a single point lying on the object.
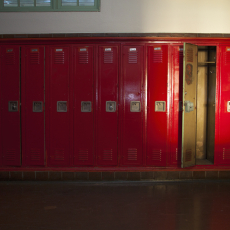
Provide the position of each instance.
(187, 205)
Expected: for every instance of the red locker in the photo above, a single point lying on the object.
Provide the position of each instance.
(107, 105)
(58, 99)
(157, 105)
(224, 105)
(131, 136)
(32, 108)
(10, 106)
(83, 79)
(176, 100)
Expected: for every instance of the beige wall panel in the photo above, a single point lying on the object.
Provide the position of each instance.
(129, 16)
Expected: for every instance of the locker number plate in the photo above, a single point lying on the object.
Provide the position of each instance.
(135, 106)
(86, 106)
(13, 106)
(62, 106)
(110, 106)
(160, 106)
(37, 106)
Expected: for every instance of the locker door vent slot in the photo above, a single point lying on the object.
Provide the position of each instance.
(226, 154)
(35, 154)
(132, 154)
(189, 55)
(132, 56)
(59, 155)
(83, 57)
(62, 106)
(188, 155)
(157, 56)
(13, 106)
(10, 58)
(37, 106)
(227, 57)
(10, 155)
(108, 155)
(156, 154)
(135, 106)
(110, 106)
(34, 58)
(59, 58)
(108, 57)
(86, 106)
(83, 155)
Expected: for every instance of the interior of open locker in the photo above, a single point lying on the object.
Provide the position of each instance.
(206, 95)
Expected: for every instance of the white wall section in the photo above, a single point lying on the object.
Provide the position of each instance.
(126, 16)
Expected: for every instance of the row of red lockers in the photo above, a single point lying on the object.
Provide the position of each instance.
(88, 105)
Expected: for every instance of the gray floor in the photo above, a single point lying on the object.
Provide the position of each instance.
(130, 205)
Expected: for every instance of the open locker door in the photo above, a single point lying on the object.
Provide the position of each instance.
(189, 106)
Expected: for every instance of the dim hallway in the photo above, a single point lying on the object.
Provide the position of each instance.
(176, 205)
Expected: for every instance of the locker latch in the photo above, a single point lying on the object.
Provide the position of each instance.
(13, 106)
(228, 106)
(135, 106)
(61, 106)
(86, 106)
(160, 106)
(189, 106)
(110, 106)
(37, 106)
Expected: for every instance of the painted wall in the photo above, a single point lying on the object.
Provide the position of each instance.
(127, 16)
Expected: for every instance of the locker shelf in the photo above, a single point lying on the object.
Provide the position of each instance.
(206, 63)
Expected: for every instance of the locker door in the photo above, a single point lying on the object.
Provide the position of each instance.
(176, 116)
(59, 107)
(224, 107)
(83, 105)
(32, 109)
(189, 106)
(107, 110)
(132, 102)
(10, 106)
(157, 105)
